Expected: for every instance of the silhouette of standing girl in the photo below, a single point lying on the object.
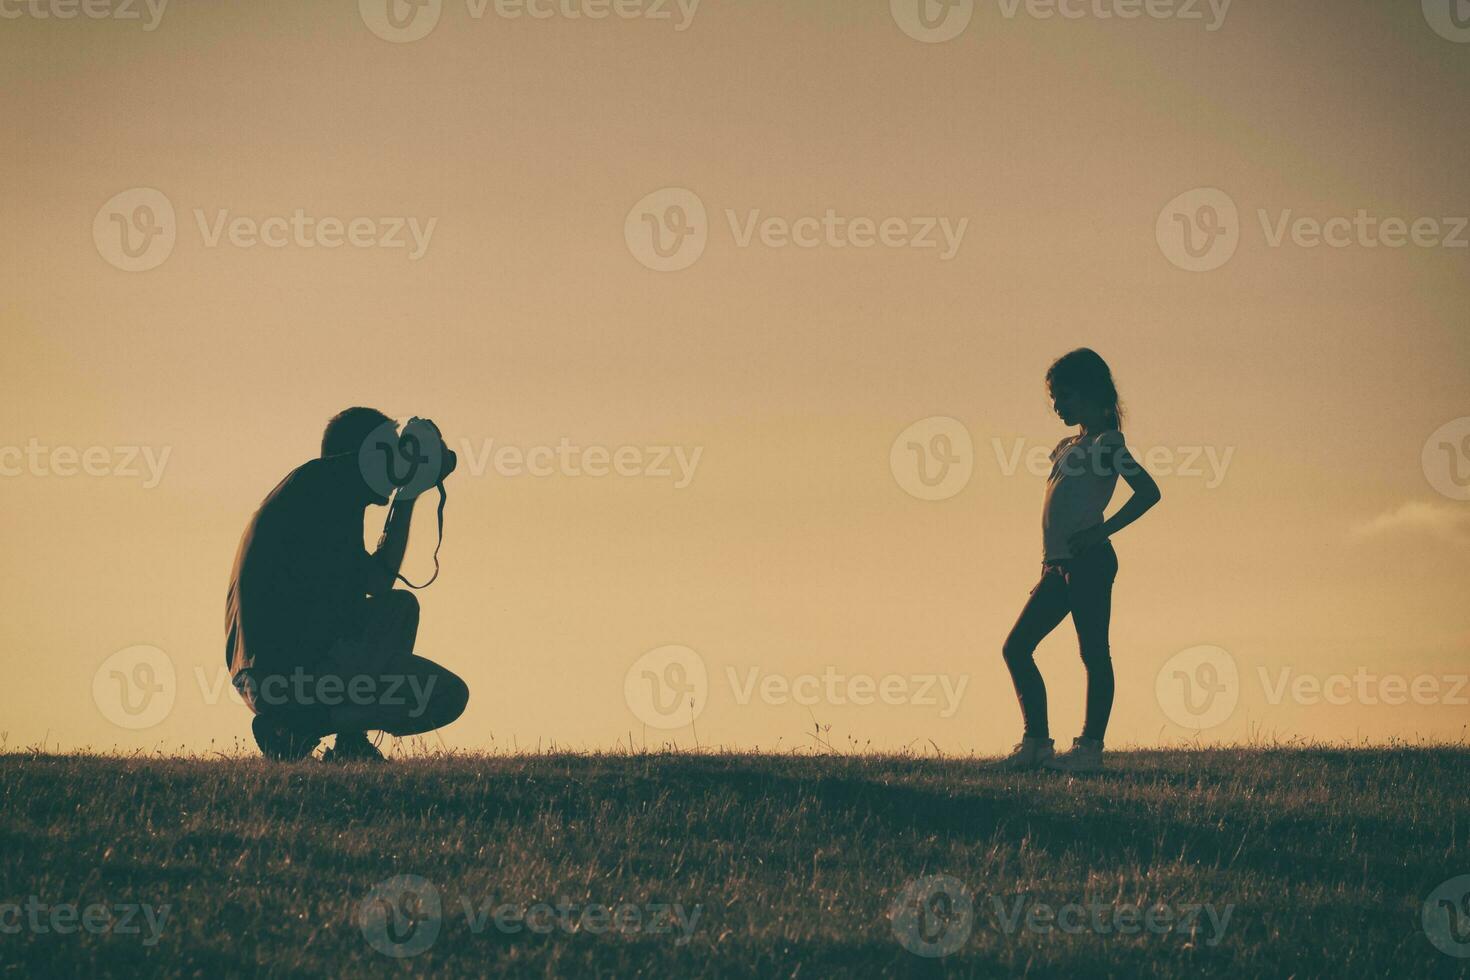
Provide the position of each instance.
(1078, 561)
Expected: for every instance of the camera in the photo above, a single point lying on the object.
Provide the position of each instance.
(423, 443)
(406, 462)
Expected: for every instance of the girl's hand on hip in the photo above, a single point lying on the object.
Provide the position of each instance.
(1087, 539)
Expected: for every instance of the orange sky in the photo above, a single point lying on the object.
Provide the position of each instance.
(1323, 543)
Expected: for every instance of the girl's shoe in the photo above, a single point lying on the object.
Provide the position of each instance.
(1029, 753)
(1085, 755)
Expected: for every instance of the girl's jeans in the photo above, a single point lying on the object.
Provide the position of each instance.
(1082, 586)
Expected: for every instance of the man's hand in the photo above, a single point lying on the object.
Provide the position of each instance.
(419, 444)
(427, 434)
(1087, 539)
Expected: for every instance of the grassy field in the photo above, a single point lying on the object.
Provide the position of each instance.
(1300, 862)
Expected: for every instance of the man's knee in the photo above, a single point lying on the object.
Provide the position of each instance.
(400, 604)
(451, 695)
(428, 699)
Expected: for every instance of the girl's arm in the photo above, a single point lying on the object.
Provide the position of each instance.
(1145, 492)
(1145, 495)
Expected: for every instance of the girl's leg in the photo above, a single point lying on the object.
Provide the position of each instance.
(1090, 591)
(1047, 607)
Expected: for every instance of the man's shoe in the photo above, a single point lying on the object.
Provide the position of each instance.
(1085, 755)
(278, 741)
(353, 747)
(1029, 753)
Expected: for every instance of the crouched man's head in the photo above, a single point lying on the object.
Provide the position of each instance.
(348, 431)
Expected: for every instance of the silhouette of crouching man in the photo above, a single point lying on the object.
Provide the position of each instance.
(317, 639)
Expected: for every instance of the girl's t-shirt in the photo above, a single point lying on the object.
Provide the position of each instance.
(1078, 490)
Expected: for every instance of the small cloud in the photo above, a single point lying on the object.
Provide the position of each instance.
(1449, 522)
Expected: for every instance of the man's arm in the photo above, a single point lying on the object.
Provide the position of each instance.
(392, 544)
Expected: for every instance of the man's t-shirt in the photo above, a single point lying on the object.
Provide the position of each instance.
(301, 570)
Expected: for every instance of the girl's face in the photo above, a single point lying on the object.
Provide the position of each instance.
(1068, 404)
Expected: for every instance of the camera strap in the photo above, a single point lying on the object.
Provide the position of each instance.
(443, 499)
